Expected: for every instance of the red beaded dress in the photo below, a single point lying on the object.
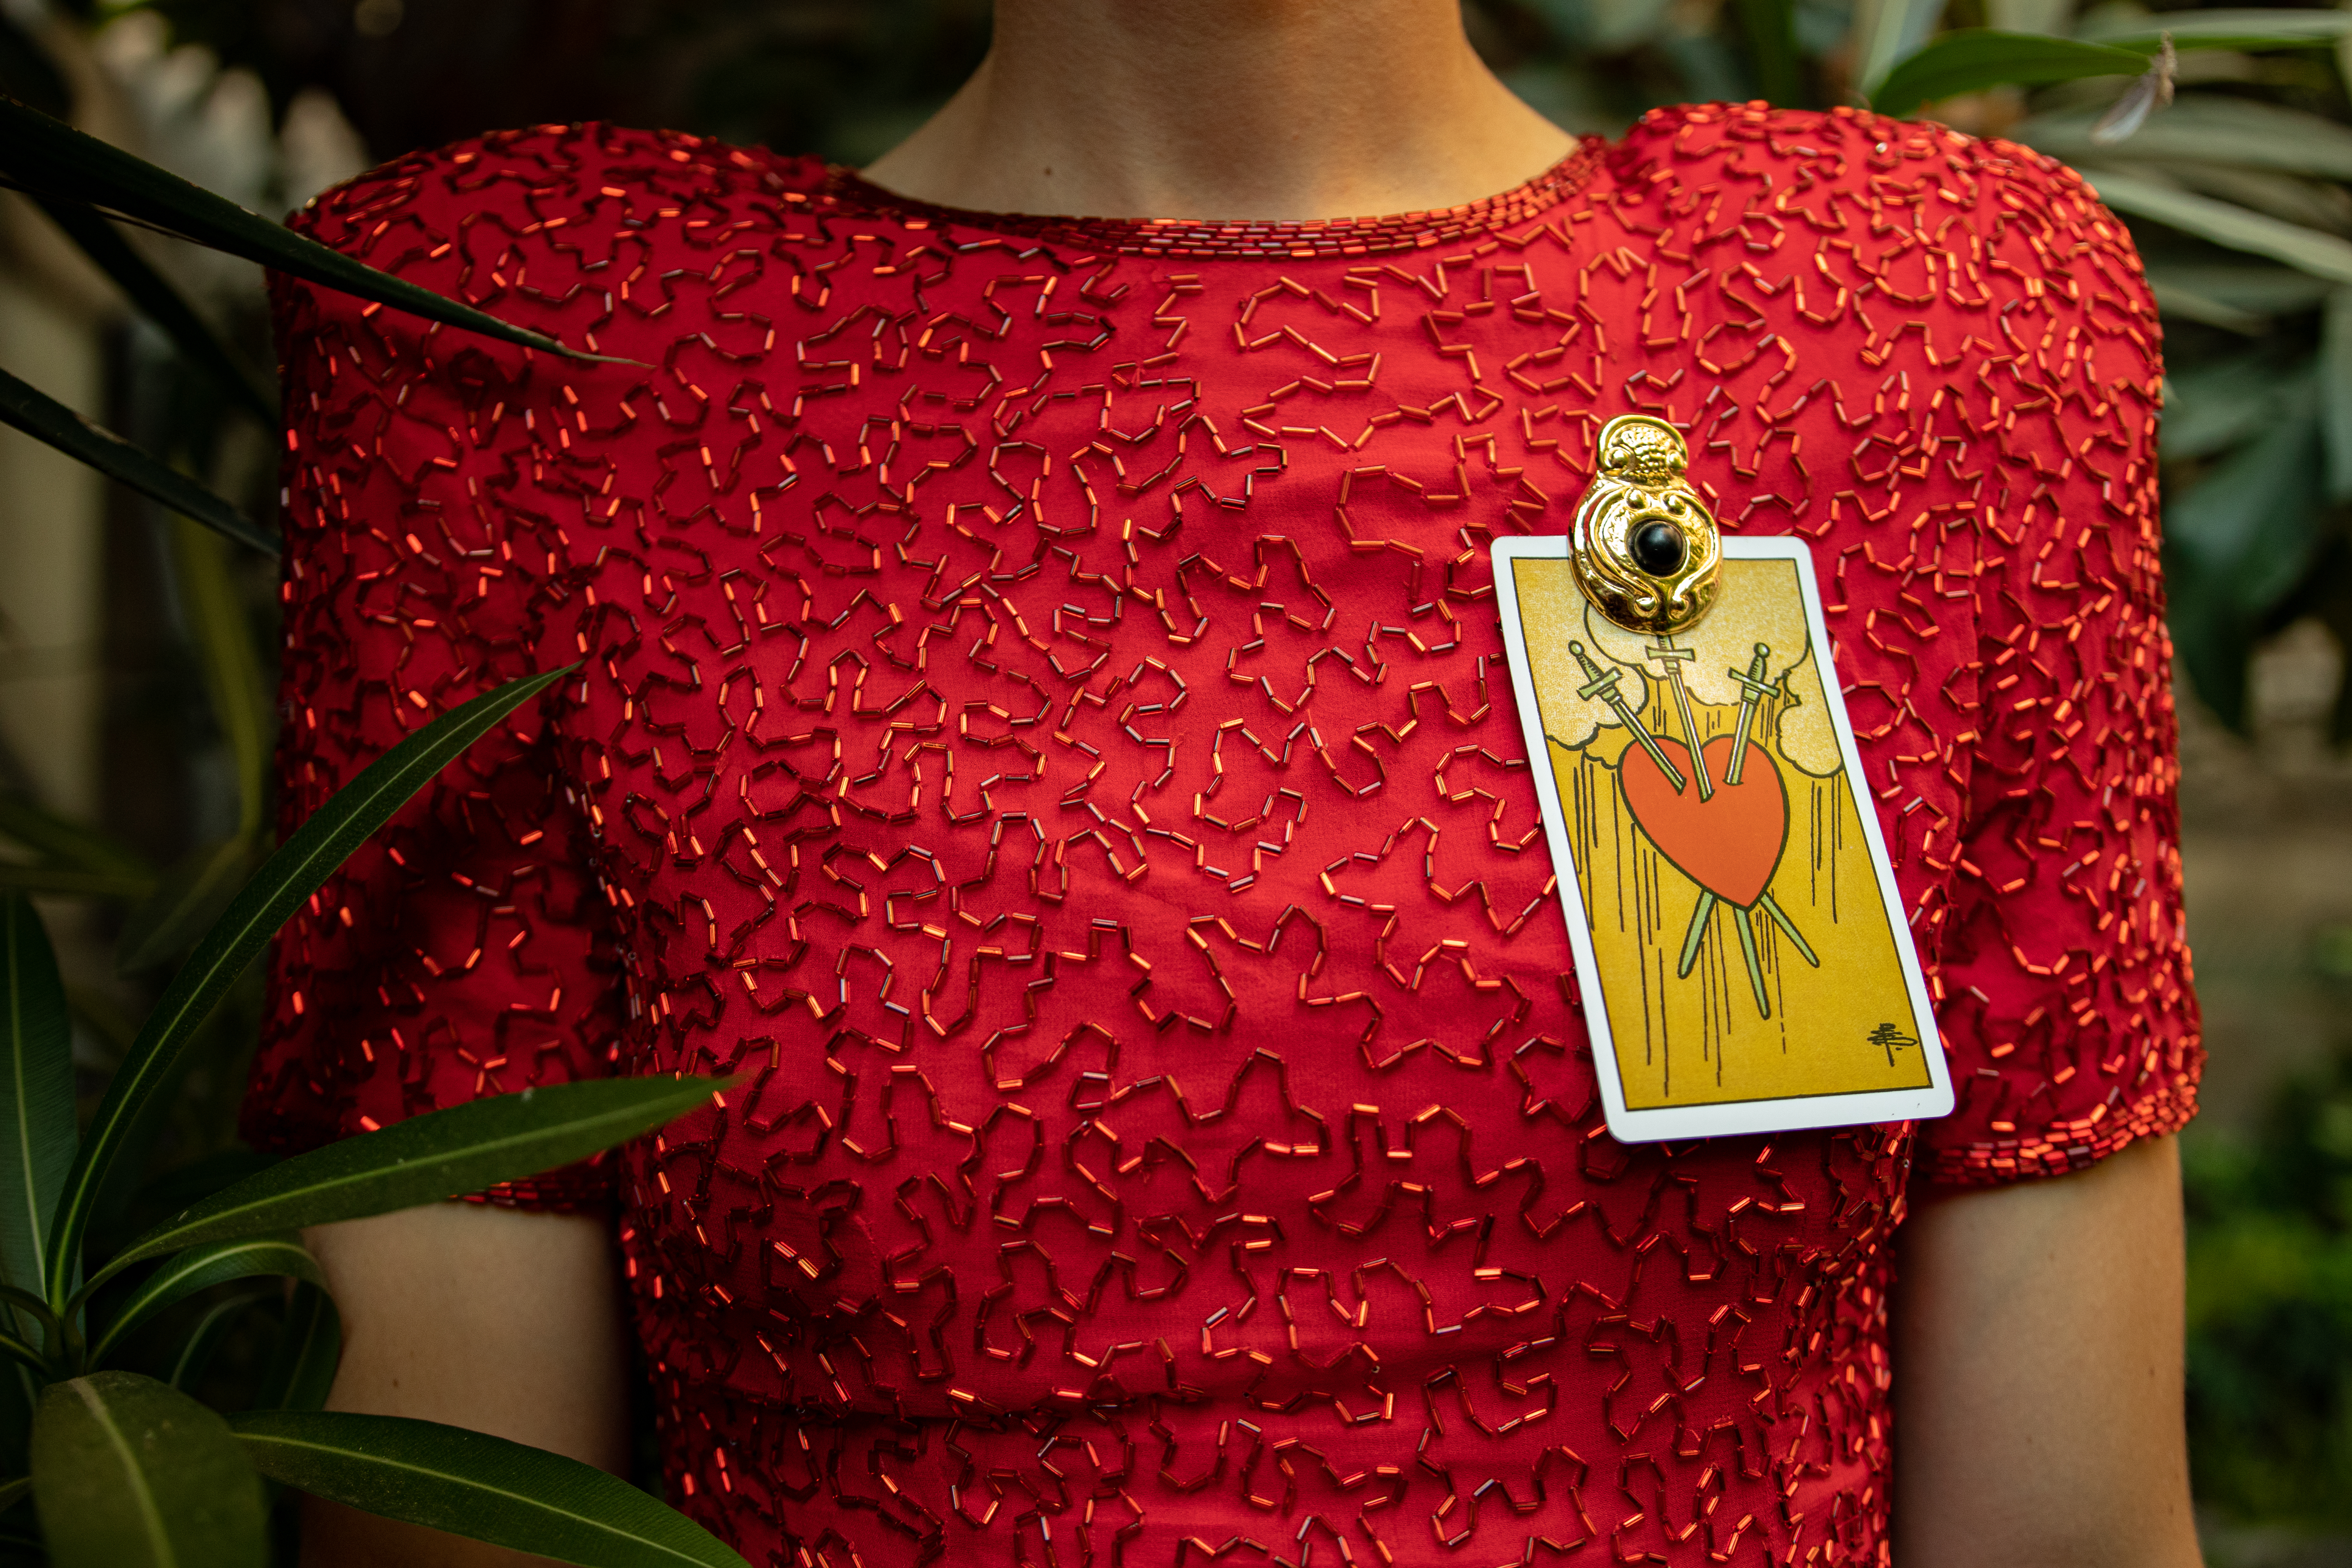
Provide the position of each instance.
(1042, 721)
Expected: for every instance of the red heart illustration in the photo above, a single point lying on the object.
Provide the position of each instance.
(1729, 844)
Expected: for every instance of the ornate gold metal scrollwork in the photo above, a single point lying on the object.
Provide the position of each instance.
(1645, 550)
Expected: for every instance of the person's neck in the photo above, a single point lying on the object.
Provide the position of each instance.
(1225, 108)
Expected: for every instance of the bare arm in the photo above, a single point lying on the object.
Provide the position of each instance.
(2037, 1373)
(506, 1323)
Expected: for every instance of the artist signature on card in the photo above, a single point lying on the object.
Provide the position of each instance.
(1890, 1038)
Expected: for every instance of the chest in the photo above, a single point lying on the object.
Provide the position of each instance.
(1046, 724)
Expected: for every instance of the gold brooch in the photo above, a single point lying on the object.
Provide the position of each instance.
(1645, 550)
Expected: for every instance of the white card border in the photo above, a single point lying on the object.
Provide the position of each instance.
(1666, 1123)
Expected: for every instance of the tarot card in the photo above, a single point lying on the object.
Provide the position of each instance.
(1740, 946)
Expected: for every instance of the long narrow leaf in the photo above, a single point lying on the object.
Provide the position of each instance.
(155, 296)
(70, 883)
(2221, 29)
(37, 1092)
(186, 901)
(2266, 290)
(32, 1306)
(2188, 305)
(195, 1353)
(477, 1485)
(288, 877)
(201, 1267)
(2291, 199)
(216, 1049)
(130, 1473)
(224, 637)
(301, 1370)
(23, 1353)
(67, 842)
(1772, 29)
(441, 1154)
(46, 420)
(52, 159)
(2207, 128)
(2226, 224)
(1886, 31)
(171, 1191)
(1973, 58)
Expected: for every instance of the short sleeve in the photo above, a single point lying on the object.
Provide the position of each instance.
(2064, 993)
(460, 952)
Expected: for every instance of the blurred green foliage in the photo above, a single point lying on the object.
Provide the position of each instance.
(2270, 1308)
(843, 78)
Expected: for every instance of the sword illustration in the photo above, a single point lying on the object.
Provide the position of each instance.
(1603, 685)
(1743, 924)
(1673, 658)
(1753, 689)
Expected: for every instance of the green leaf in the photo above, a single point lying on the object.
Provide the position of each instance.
(2218, 29)
(1888, 30)
(2188, 305)
(477, 1485)
(2335, 393)
(65, 842)
(2214, 645)
(2207, 128)
(23, 1352)
(52, 159)
(201, 1267)
(168, 1192)
(156, 297)
(1973, 58)
(224, 636)
(2262, 290)
(1772, 29)
(441, 1154)
(2252, 523)
(46, 420)
(2297, 199)
(291, 875)
(203, 1337)
(110, 1212)
(130, 1473)
(2238, 542)
(66, 882)
(301, 1370)
(37, 1092)
(187, 899)
(35, 1310)
(2226, 224)
(2213, 406)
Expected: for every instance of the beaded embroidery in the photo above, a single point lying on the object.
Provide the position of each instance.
(1043, 721)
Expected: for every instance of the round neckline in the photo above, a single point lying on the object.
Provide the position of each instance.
(847, 190)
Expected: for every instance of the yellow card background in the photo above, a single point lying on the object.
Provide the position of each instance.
(1844, 1027)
